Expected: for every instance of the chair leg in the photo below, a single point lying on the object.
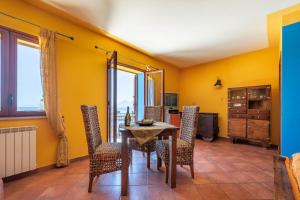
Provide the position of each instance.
(167, 173)
(192, 170)
(158, 161)
(148, 159)
(90, 184)
(131, 157)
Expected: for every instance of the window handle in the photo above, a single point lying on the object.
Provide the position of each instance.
(10, 99)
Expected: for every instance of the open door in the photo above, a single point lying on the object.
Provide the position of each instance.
(154, 88)
(112, 97)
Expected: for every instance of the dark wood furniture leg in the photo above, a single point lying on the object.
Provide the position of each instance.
(91, 179)
(172, 162)
(167, 174)
(148, 158)
(124, 171)
(159, 162)
(192, 169)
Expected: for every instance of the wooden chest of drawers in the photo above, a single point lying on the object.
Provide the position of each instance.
(249, 113)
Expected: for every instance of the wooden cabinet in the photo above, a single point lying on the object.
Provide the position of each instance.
(208, 126)
(249, 112)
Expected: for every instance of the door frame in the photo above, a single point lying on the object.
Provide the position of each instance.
(114, 58)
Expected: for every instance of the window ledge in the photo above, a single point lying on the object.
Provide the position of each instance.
(22, 118)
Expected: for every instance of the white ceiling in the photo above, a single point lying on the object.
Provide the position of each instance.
(181, 32)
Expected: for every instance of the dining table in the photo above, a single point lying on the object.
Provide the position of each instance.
(143, 134)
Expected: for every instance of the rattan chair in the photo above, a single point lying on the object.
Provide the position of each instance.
(185, 143)
(104, 158)
(154, 113)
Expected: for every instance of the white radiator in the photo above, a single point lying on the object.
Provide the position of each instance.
(17, 150)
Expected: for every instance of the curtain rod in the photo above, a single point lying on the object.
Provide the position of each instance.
(36, 25)
(136, 61)
(72, 38)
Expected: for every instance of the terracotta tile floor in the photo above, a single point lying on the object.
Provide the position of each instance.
(222, 171)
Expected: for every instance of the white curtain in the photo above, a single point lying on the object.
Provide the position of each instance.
(49, 81)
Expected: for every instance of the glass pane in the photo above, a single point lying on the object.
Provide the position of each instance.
(155, 89)
(29, 86)
(140, 96)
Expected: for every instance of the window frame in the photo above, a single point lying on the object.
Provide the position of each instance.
(9, 69)
(4, 71)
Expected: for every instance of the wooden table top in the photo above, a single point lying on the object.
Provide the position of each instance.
(162, 125)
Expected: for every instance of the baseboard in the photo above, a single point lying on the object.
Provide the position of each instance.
(272, 146)
(38, 170)
(224, 138)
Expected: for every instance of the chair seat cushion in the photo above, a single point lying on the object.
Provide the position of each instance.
(184, 151)
(108, 151)
(134, 144)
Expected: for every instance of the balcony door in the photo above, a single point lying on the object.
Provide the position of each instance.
(125, 88)
(133, 87)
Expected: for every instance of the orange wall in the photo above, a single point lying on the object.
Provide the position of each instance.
(255, 68)
(81, 76)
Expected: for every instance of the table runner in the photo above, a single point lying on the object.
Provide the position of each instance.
(144, 134)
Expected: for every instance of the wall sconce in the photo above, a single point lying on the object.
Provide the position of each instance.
(218, 83)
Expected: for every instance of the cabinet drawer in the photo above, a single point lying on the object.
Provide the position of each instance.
(242, 116)
(237, 105)
(237, 127)
(237, 111)
(258, 129)
(259, 116)
(257, 111)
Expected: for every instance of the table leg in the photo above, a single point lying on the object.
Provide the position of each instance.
(125, 164)
(172, 161)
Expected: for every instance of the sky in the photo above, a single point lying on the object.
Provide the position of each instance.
(125, 88)
(29, 86)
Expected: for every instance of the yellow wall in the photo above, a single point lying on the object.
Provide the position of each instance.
(81, 76)
(291, 18)
(255, 68)
(276, 20)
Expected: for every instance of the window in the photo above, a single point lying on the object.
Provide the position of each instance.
(20, 75)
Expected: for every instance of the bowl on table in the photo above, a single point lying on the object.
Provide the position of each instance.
(145, 122)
